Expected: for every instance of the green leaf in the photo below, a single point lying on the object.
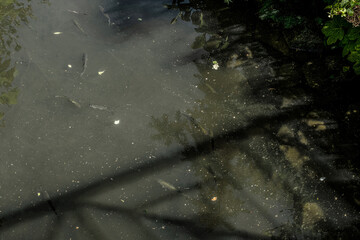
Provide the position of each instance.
(345, 51)
(354, 34)
(357, 69)
(331, 40)
(334, 30)
(348, 47)
(354, 57)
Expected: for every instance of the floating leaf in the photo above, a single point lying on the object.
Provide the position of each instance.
(225, 45)
(212, 44)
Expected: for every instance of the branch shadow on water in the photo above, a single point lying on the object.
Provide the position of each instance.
(71, 201)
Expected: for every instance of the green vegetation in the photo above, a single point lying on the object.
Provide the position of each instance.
(12, 14)
(346, 8)
(343, 31)
(272, 10)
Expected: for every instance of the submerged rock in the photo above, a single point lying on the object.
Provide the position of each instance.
(293, 155)
(305, 40)
(312, 213)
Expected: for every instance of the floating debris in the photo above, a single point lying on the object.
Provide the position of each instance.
(322, 179)
(57, 33)
(85, 60)
(198, 125)
(102, 10)
(210, 87)
(70, 100)
(174, 20)
(98, 107)
(171, 187)
(140, 19)
(69, 66)
(215, 65)
(249, 53)
(76, 12)
(101, 72)
(117, 122)
(167, 185)
(77, 24)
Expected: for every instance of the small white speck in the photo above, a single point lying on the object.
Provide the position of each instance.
(69, 66)
(140, 19)
(322, 179)
(101, 72)
(116, 122)
(57, 33)
(38, 194)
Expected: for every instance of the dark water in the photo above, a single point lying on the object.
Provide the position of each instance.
(180, 126)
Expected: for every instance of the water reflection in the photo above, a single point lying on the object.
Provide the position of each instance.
(238, 150)
(270, 151)
(12, 14)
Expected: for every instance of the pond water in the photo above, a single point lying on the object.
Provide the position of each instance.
(124, 120)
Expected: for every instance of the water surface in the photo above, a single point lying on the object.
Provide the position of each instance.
(154, 140)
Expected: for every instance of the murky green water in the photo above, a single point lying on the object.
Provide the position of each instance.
(190, 130)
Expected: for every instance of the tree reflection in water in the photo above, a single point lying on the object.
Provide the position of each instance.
(254, 152)
(12, 15)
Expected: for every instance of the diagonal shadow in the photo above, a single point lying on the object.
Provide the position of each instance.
(194, 226)
(67, 202)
